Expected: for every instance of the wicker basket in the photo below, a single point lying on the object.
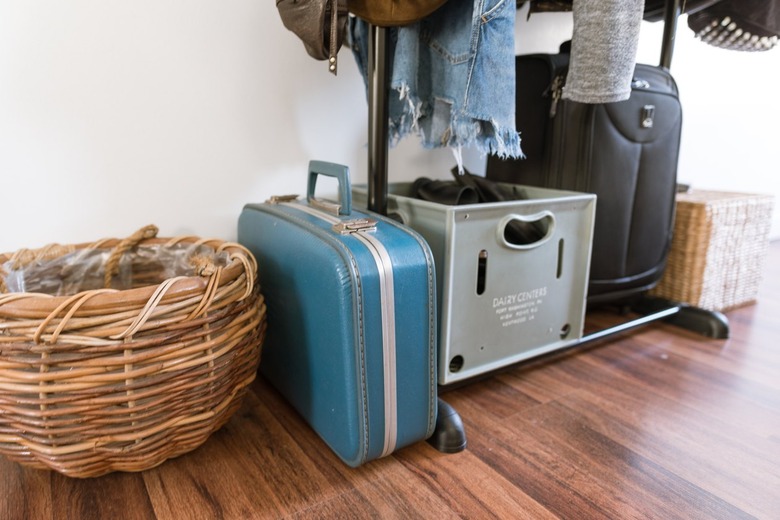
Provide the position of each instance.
(718, 249)
(121, 379)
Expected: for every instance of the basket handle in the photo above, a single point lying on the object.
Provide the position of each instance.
(112, 264)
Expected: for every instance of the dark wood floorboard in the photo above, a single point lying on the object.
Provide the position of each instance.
(657, 423)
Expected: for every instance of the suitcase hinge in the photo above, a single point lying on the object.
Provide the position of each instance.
(278, 199)
(352, 226)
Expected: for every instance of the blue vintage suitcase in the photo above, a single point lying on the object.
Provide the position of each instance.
(351, 339)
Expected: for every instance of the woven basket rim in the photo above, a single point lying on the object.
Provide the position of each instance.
(700, 196)
(30, 304)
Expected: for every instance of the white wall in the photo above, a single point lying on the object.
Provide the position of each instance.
(178, 112)
(731, 106)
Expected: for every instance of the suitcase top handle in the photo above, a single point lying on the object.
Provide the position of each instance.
(341, 173)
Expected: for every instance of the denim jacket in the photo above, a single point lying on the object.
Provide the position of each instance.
(453, 76)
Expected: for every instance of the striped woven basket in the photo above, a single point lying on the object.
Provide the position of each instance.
(719, 249)
(124, 376)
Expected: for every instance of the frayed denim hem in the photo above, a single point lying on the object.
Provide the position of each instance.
(438, 127)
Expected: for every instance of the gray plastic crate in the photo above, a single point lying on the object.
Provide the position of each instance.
(502, 300)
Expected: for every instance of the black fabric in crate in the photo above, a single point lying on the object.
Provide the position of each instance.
(467, 188)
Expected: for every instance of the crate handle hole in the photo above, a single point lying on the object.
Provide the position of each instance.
(481, 271)
(456, 364)
(526, 231)
(565, 331)
(559, 271)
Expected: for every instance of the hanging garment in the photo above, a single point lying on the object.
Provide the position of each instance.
(603, 50)
(744, 25)
(452, 76)
(394, 12)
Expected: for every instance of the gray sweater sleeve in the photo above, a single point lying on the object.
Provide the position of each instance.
(603, 50)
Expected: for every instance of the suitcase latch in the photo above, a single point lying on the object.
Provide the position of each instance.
(648, 113)
(352, 226)
(279, 199)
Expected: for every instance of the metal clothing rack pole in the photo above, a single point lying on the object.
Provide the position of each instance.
(449, 435)
(672, 12)
(378, 86)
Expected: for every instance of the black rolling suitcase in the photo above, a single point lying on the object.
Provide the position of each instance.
(625, 152)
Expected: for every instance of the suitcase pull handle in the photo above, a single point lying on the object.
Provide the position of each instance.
(341, 173)
(525, 231)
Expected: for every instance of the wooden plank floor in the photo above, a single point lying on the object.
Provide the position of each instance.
(658, 423)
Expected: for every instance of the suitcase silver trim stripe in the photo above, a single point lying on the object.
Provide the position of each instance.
(387, 292)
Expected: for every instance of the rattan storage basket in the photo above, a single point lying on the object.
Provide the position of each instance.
(718, 249)
(123, 377)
